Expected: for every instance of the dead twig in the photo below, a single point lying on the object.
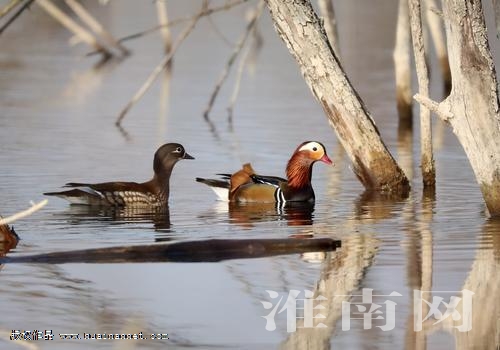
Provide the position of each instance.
(9, 7)
(177, 21)
(237, 49)
(248, 58)
(96, 27)
(74, 27)
(16, 14)
(34, 207)
(219, 33)
(159, 68)
(236, 89)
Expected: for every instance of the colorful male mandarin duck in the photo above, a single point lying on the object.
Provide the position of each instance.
(153, 193)
(246, 186)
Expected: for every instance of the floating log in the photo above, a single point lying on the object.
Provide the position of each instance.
(212, 250)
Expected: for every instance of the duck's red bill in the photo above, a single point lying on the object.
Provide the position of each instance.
(326, 160)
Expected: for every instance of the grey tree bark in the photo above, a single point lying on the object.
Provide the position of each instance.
(472, 108)
(300, 28)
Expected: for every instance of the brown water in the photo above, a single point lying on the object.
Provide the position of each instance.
(56, 125)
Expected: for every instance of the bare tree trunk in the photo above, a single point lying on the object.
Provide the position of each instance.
(426, 158)
(301, 30)
(401, 57)
(472, 108)
(327, 11)
(435, 26)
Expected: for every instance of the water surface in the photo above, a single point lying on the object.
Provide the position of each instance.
(56, 125)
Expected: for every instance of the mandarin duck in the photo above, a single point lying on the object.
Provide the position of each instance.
(246, 186)
(153, 193)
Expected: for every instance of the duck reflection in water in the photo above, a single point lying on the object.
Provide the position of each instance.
(160, 217)
(247, 214)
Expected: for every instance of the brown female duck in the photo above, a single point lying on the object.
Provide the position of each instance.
(152, 193)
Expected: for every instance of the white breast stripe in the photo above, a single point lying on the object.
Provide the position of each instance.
(279, 197)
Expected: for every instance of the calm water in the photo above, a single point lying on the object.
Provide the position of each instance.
(56, 125)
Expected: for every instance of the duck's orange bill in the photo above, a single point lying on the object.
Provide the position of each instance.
(326, 160)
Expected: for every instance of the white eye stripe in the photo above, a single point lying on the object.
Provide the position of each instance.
(177, 150)
(311, 146)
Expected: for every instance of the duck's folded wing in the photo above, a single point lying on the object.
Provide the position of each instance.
(258, 193)
(220, 187)
(268, 180)
(113, 193)
(109, 186)
(84, 195)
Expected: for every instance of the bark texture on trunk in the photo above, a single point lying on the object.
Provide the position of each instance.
(300, 28)
(426, 157)
(472, 108)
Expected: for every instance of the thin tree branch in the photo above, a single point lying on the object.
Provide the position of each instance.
(237, 49)
(442, 109)
(402, 64)
(236, 89)
(161, 9)
(9, 7)
(96, 27)
(217, 31)
(248, 57)
(176, 21)
(159, 68)
(427, 159)
(74, 27)
(34, 207)
(15, 16)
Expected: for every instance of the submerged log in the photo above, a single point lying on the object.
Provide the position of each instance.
(212, 250)
(300, 28)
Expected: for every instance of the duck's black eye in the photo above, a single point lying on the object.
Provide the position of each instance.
(315, 149)
(178, 150)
